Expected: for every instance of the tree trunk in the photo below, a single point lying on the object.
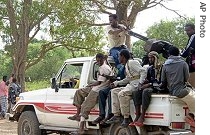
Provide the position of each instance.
(20, 41)
(122, 12)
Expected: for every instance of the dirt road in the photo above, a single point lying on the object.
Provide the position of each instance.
(8, 128)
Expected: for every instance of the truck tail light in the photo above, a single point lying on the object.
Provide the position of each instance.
(178, 125)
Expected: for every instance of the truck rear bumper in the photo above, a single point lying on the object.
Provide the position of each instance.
(187, 132)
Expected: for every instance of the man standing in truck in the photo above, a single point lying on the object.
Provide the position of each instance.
(86, 98)
(189, 52)
(116, 37)
(135, 75)
(175, 74)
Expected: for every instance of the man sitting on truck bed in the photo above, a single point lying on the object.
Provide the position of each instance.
(150, 85)
(121, 96)
(83, 105)
(175, 74)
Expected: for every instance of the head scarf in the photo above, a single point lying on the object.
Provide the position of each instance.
(156, 56)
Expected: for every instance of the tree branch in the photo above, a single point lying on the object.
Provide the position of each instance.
(173, 11)
(33, 24)
(101, 7)
(114, 3)
(45, 48)
(37, 30)
(98, 24)
(12, 20)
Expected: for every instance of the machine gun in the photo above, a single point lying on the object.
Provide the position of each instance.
(160, 46)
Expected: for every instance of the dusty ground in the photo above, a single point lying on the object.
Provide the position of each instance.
(8, 128)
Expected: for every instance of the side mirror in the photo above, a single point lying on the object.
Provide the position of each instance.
(53, 85)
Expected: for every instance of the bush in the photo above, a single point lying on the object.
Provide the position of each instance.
(37, 85)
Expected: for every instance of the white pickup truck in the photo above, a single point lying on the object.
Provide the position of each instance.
(45, 111)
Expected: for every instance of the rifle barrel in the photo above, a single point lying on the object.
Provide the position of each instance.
(131, 33)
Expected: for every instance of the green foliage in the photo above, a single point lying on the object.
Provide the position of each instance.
(49, 65)
(138, 49)
(35, 85)
(171, 31)
(67, 22)
(5, 64)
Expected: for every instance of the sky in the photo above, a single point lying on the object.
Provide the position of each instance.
(148, 17)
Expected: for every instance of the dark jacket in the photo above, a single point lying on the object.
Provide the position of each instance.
(175, 73)
(189, 53)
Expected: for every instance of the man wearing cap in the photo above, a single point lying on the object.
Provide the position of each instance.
(143, 95)
(121, 96)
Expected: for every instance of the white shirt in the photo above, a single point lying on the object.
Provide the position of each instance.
(133, 68)
(116, 40)
(103, 70)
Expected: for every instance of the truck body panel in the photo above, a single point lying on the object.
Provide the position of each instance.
(52, 108)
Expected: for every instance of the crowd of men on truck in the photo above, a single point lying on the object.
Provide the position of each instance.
(137, 82)
(134, 81)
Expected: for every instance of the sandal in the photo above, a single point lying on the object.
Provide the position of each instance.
(139, 124)
(132, 124)
(74, 117)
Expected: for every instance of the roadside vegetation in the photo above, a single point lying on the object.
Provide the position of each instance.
(35, 85)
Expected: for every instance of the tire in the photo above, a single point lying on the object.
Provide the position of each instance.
(28, 124)
(116, 129)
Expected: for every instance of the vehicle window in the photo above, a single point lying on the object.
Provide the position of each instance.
(70, 76)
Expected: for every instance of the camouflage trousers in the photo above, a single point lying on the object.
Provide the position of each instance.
(89, 103)
(86, 99)
(80, 95)
(121, 97)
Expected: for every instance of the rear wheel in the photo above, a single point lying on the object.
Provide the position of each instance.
(28, 124)
(116, 129)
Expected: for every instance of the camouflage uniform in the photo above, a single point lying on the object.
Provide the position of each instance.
(121, 96)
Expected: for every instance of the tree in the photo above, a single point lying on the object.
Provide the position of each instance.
(49, 65)
(66, 22)
(126, 10)
(5, 64)
(171, 31)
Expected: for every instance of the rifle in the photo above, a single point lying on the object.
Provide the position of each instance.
(131, 33)
(159, 46)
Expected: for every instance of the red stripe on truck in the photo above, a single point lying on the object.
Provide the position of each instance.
(57, 107)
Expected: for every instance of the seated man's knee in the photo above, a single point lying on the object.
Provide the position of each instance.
(147, 91)
(121, 94)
